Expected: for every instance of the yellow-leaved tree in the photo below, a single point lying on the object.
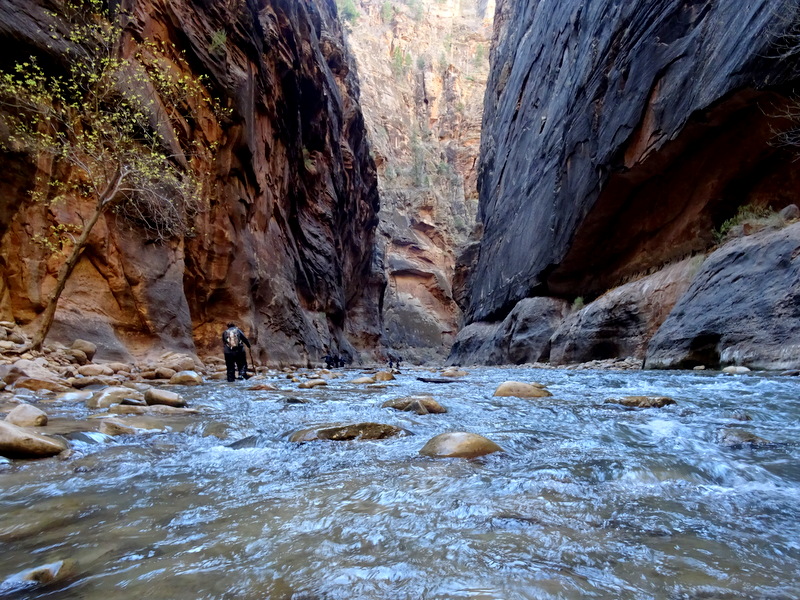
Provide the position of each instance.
(116, 128)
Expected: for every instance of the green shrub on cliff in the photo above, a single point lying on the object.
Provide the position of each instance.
(347, 10)
(100, 134)
(749, 213)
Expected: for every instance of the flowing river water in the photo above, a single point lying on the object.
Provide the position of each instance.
(588, 500)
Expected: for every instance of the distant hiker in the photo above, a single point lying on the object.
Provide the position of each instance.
(233, 343)
(391, 363)
(328, 361)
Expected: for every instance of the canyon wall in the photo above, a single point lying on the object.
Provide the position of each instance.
(285, 245)
(423, 66)
(616, 138)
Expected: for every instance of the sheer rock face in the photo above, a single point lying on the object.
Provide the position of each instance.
(285, 246)
(617, 135)
(742, 308)
(423, 69)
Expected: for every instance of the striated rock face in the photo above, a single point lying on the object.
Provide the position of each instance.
(285, 246)
(617, 135)
(621, 322)
(742, 308)
(423, 68)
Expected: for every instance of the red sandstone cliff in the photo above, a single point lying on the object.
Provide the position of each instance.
(285, 244)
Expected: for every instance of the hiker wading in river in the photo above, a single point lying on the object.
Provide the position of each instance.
(233, 343)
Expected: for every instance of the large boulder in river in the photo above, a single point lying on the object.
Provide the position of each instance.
(113, 395)
(741, 308)
(16, 442)
(26, 415)
(357, 431)
(519, 389)
(155, 396)
(459, 444)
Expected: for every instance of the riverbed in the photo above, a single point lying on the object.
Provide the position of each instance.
(589, 500)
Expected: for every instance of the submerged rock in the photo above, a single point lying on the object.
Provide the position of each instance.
(114, 427)
(642, 401)
(358, 431)
(312, 383)
(521, 390)
(459, 444)
(26, 415)
(252, 441)
(263, 387)
(422, 405)
(40, 575)
(739, 438)
(16, 442)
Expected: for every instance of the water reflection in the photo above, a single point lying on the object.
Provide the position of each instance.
(589, 501)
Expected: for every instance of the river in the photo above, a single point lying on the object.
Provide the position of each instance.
(588, 500)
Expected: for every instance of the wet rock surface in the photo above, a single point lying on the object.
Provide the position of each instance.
(741, 308)
(421, 405)
(459, 445)
(642, 401)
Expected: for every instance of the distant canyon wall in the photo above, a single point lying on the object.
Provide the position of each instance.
(616, 138)
(286, 245)
(423, 67)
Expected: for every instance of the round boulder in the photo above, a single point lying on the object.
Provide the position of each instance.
(517, 389)
(186, 378)
(459, 444)
(155, 396)
(25, 415)
(113, 395)
(88, 348)
(165, 373)
(422, 405)
(363, 380)
(92, 370)
(735, 370)
(383, 376)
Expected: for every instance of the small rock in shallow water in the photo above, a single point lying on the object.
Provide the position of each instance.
(518, 389)
(459, 444)
(312, 383)
(735, 370)
(357, 431)
(642, 401)
(422, 405)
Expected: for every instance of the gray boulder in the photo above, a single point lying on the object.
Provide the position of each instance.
(741, 309)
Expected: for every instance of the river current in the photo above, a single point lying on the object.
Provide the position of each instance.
(588, 500)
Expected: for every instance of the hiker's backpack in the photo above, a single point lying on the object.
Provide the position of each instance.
(233, 341)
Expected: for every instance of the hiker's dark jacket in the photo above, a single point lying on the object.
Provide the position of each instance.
(234, 341)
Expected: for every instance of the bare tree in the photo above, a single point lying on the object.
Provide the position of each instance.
(117, 128)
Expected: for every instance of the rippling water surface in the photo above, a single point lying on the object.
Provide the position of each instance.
(588, 501)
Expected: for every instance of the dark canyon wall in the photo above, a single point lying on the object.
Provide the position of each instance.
(617, 140)
(617, 135)
(285, 245)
